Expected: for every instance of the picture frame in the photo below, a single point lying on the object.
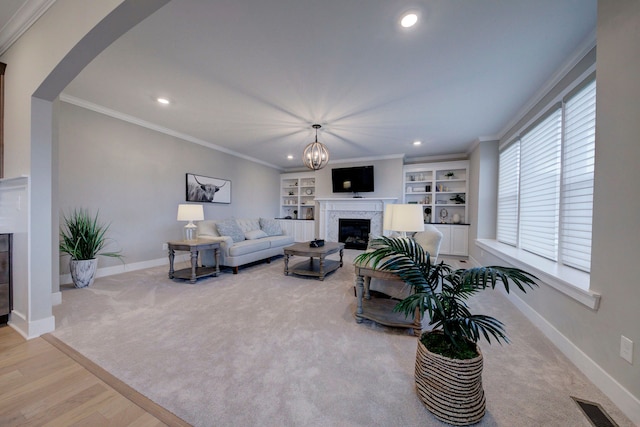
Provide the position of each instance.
(205, 189)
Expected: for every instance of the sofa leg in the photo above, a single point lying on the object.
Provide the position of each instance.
(269, 260)
(235, 270)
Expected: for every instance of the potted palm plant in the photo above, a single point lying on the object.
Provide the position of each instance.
(83, 238)
(448, 370)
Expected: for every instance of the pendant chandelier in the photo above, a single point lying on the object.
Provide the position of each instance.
(315, 155)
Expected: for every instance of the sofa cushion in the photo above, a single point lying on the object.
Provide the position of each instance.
(229, 227)
(282, 240)
(270, 226)
(248, 246)
(255, 234)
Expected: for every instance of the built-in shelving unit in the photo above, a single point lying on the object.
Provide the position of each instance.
(297, 205)
(442, 189)
(297, 194)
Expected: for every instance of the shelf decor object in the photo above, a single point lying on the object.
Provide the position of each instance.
(190, 213)
(315, 155)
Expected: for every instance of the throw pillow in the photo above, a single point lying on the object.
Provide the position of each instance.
(229, 227)
(270, 226)
(255, 234)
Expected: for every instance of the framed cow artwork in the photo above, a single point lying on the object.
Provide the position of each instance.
(206, 189)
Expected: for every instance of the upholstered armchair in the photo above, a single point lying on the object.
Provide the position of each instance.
(430, 240)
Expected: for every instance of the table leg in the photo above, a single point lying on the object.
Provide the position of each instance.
(341, 251)
(216, 256)
(367, 286)
(321, 267)
(359, 291)
(286, 264)
(194, 265)
(172, 255)
(417, 323)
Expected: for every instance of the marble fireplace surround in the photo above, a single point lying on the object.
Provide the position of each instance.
(332, 209)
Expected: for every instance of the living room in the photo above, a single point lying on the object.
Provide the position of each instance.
(144, 185)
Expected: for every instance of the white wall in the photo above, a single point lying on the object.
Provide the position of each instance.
(135, 178)
(39, 65)
(592, 338)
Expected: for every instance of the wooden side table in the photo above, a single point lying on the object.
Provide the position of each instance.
(194, 246)
(380, 310)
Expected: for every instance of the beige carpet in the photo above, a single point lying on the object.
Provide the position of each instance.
(262, 349)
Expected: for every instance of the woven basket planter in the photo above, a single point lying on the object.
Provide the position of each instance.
(450, 388)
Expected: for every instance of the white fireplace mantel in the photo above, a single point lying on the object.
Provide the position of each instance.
(332, 209)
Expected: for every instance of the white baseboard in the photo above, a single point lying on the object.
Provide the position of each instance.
(627, 402)
(33, 329)
(65, 279)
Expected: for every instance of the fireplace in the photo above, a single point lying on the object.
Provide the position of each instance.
(354, 233)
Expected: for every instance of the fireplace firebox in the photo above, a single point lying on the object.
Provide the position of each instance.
(354, 233)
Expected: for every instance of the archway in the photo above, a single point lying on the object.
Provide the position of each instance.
(43, 206)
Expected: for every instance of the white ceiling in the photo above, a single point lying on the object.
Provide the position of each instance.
(252, 76)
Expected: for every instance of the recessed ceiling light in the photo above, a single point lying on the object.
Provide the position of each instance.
(417, 142)
(289, 157)
(164, 101)
(409, 20)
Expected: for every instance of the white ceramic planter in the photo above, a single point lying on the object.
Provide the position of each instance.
(83, 271)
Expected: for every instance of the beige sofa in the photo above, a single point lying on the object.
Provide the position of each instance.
(243, 241)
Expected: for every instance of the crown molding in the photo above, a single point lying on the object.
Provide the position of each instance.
(20, 22)
(583, 49)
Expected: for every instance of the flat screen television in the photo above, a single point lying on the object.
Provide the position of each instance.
(357, 179)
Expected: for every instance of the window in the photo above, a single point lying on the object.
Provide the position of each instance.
(545, 183)
(508, 174)
(577, 177)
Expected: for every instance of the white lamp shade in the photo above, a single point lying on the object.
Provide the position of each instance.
(190, 213)
(388, 215)
(406, 218)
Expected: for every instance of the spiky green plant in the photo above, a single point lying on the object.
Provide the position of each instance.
(83, 237)
(441, 292)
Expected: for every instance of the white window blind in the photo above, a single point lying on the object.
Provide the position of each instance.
(540, 186)
(577, 178)
(508, 176)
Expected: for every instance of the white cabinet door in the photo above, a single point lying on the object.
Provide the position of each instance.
(459, 240)
(304, 231)
(288, 226)
(455, 239)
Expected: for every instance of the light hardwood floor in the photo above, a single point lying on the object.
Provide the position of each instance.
(43, 382)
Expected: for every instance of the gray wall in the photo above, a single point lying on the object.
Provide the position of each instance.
(387, 178)
(135, 177)
(483, 192)
(615, 224)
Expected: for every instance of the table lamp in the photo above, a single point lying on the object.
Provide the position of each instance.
(190, 213)
(403, 218)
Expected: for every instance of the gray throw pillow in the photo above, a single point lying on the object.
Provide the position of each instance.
(229, 227)
(270, 226)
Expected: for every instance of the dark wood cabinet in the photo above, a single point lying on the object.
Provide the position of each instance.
(6, 297)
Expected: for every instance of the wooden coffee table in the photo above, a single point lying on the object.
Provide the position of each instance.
(317, 266)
